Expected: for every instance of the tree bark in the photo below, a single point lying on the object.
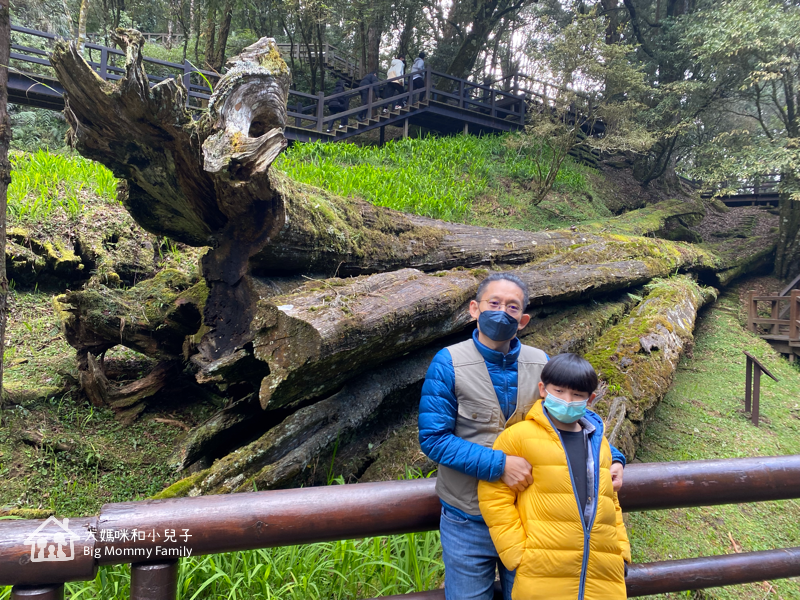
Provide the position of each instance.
(5, 171)
(787, 256)
(280, 455)
(638, 357)
(222, 38)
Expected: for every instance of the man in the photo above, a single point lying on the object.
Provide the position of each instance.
(472, 392)
(370, 80)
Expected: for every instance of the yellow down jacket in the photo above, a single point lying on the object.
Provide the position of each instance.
(540, 532)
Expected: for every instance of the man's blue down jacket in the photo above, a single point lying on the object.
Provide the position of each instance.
(438, 409)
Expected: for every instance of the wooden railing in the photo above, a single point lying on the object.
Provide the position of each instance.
(308, 110)
(109, 64)
(775, 327)
(121, 533)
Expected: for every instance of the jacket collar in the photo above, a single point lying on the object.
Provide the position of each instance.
(495, 356)
(592, 422)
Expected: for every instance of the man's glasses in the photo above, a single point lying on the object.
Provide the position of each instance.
(513, 309)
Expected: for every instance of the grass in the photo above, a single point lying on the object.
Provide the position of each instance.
(42, 182)
(458, 178)
(703, 417)
(346, 569)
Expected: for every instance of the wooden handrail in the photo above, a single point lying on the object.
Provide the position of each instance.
(226, 523)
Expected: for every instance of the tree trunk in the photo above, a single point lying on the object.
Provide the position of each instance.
(210, 34)
(5, 171)
(374, 32)
(82, 16)
(222, 38)
(281, 454)
(787, 256)
(639, 356)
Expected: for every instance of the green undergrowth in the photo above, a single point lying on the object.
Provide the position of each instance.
(42, 182)
(702, 417)
(480, 180)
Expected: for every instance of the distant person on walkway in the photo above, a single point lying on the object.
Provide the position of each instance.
(337, 105)
(395, 88)
(418, 76)
(564, 533)
(371, 79)
(472, 392)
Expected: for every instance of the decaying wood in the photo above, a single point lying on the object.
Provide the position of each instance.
(638, 357)
(127, 400)
(280, 455)
(317, 338)
(285, 450)
(34, 438)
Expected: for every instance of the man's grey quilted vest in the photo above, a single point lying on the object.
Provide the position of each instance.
(480, 419)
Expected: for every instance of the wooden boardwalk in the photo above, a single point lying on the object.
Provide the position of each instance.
(445, 104)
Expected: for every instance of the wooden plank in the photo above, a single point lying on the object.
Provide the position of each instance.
(760, 366)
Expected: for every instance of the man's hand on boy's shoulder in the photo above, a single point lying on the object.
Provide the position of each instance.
(616, 476)
(517, 474)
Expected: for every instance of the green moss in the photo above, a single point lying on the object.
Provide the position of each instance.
(180, 488)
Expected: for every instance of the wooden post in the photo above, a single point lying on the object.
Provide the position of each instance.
(320, 109)
(754, 363)
(42, 592)
(461, 93)
(748, 383)
(773, 328)
(383, 135)
(756, 394)
(751, 312)
(369, 103)
(794, 315)
(494, 100)
(154, 581)
(405, 129)
(104, 63)
(428, 84)
(466, 128)
(298, 109)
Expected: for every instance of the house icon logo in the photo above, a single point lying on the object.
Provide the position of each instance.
(52, 541)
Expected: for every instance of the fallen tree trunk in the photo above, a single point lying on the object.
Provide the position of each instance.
(638, 357)
(317, 338)
(207, 182)
(280, 455)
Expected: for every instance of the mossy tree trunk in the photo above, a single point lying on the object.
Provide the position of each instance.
(5, 171)
(638, 357)
(278, 457)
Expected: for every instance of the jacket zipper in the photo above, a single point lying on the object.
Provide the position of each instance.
(586, 529)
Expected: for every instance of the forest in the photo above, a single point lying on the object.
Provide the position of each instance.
(207, 295)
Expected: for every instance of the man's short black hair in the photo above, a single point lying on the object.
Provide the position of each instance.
(504, 277)
(422, 55)
(570, 371)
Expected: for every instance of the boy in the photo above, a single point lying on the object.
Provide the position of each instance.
(564, 533)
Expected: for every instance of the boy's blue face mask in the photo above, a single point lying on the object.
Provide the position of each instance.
(498, 325)
(566, 412)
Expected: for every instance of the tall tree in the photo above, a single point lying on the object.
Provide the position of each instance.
(756, 44)
(469, 25)
(5, 170)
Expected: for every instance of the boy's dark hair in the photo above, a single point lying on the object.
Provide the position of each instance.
(504, 277)
(571, 371)
(422, 55)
